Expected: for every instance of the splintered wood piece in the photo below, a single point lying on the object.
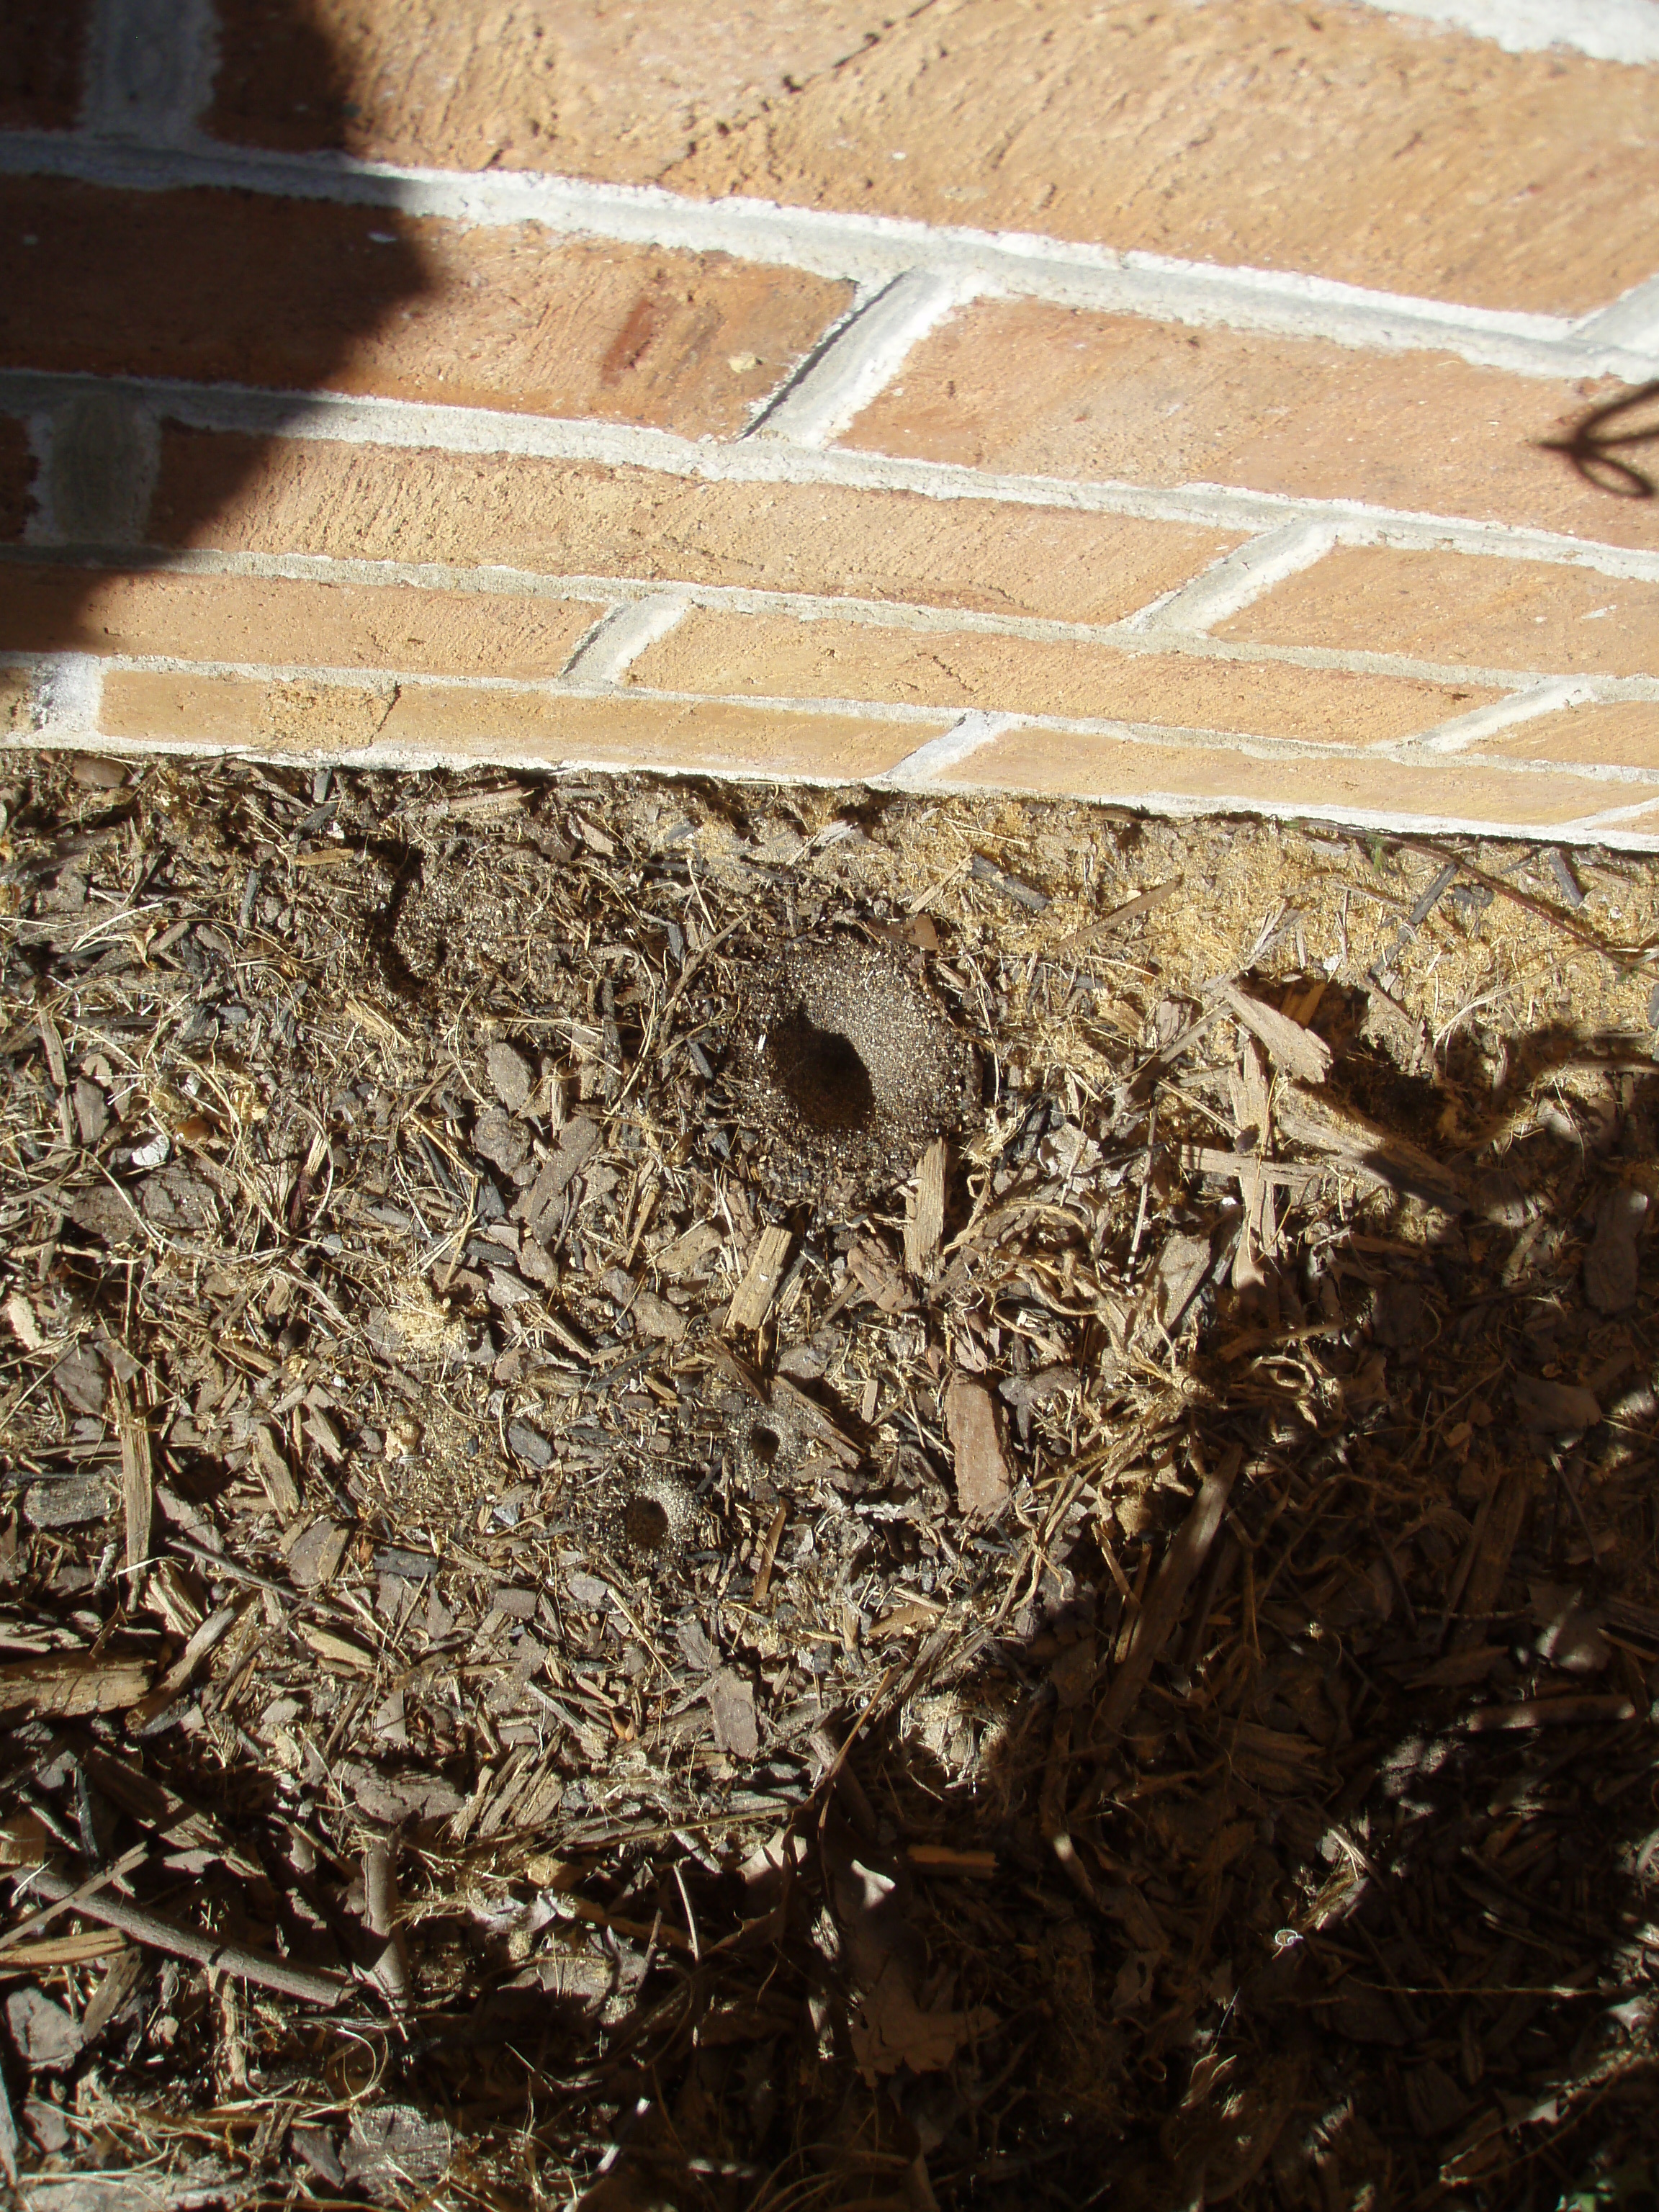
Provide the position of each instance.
(759, 1287)
(1309, 1119)
(769, 1554)
(67, 1683)
(1487, 1560)
(179, 1677)
(138, 1483)
(1156, 1618)
(1297, 1050)
(970, 1417)
(924, 1225)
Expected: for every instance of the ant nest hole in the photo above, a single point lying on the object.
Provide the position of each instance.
(849, 1067)
(658, 1517)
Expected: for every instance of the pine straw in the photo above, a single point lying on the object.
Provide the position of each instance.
(416, 1575)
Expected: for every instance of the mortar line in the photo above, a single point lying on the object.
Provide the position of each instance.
(1235, 581)
(1450, 738)
(410, 425)
(953, 746)
(617, 639)
(861, 358)
(866, 249)
(383, 682)
(614, 593)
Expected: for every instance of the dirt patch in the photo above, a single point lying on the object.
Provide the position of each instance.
(692, 1640)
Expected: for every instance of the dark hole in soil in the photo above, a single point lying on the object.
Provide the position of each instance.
(820, 1073)
(765, 1444)
(645, 1523)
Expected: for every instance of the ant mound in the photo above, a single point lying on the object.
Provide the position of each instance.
(849, 1067)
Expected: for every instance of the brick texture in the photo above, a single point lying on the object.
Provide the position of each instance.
(1117, 397)
(16, 476)
(248, 495)
(1337, 140)
(236, 288)
(16, 698)
(320, 720)
(42, 43)
(1437, 606)
(1622, 734)
(1047, 762)
(779, 659)
(258, 619)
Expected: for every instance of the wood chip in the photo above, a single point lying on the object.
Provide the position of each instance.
(923, 1226)
(1156, 1621)
(1299, 1052)
(70, 1683)
(971, 1418)
(759, 1287)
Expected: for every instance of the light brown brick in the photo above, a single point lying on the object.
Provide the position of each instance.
(370, 503)
(423, 720)
(243, 289)
(1448, 607)
(16, 475)
(1115, 395)
(777, 658)
(243, 618)
(1049, 762)
(42, 44)
(1621, 734)
(1338, 139)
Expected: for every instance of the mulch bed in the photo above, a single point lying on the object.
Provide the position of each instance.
(726, 1498)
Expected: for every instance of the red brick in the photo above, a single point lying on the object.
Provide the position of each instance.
(319, 721)
(1339, 140)
(1056, 765)
(370, 503)
(16, 476)
(778, 658)
(1448, 607)
(217, 287)
(1621, 734)
(42, 45)
(1117, 397)
(244, 618)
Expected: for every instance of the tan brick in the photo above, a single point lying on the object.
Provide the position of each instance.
(1622, 733)
(1115, 395)
(16, 475)
(215, 286)
(365, 502)
(319, 721)
(261, 619)
(1049, 762)
(1338, 139)
(42, 43)
(778, 658)
(1448, 607)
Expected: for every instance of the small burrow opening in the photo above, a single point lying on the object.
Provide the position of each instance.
(765, 1443)
(646, 1523)
(820, 1073)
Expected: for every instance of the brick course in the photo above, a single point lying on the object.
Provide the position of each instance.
(240, 618)
(1437, 606)
(318, 722)
(1116, 397)
(1337, 140)
(298, 295)
(363, 503)
(1620, 734)
(16, 479)
(779, 659)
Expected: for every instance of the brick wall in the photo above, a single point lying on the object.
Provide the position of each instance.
(1243, 404)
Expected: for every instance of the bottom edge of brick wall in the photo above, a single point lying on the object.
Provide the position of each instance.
(1637, 835)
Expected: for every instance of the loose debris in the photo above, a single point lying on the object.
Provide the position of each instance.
(780, 1501)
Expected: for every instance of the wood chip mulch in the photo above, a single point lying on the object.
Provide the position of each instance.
(556, 1648)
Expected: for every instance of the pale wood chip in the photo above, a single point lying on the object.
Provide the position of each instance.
(1299, 1052)
(67, 1683)
(924, 1225)
(758, 1288)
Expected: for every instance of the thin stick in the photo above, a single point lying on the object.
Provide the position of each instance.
(248, 1965)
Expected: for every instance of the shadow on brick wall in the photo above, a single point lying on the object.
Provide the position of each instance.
(1600, 438)
(158, 339)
